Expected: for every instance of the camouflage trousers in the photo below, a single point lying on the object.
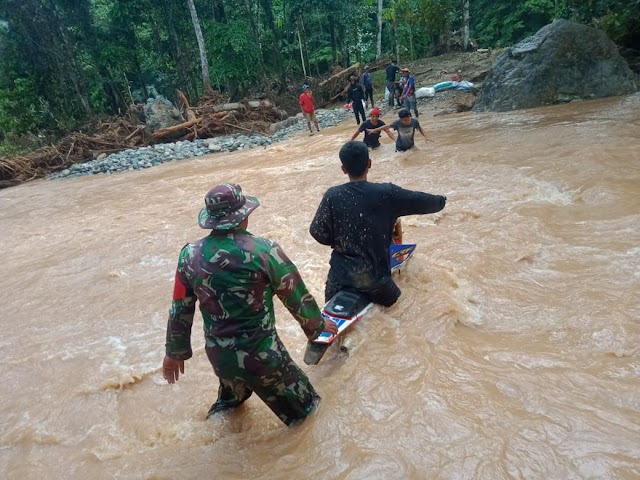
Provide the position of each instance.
(271, 373)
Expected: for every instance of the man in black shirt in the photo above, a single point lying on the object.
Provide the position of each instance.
(372, 139)
(355, 94)
(356, 220)
(392, 70)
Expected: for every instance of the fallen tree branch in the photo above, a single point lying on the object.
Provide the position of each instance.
(133, 134)
(165, 132)
(238, 127)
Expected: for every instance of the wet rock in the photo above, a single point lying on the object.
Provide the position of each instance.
(562, 62)
(160, 113)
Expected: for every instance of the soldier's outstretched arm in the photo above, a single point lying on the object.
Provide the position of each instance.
(292, 292)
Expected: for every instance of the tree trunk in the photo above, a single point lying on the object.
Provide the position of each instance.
(304, 68)
(411, 53)
(277, 55)
(345, 61)
(395, 39)
(183, 64)
(465, 24)
(304, 44)
(73, 72)
(254, 30)
(379, 36)
(334, 43)
(115, 101)
(206, 80)
(219, 14)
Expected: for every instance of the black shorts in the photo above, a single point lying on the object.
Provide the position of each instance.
(384, 293)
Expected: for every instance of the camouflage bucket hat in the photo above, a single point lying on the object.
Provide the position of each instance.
(226, 207)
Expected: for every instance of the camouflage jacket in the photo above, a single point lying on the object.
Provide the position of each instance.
(234, 275)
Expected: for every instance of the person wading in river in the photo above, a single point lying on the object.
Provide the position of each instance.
(372, 139)
(357, 220)
(234, 275)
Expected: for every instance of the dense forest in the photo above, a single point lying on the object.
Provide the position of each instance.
(63, 62)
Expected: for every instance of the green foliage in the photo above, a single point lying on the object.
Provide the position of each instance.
(9, 149)
(65, 60)
(539, 7)
(322, 56)
(20, 108)
(435, 15)
(621, 20)
(498, 24)
(234, 57)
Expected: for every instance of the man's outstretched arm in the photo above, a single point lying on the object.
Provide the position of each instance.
(414, 203)
(379, 129)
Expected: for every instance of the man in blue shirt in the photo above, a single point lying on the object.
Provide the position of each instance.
(408, 97)
(368, 87)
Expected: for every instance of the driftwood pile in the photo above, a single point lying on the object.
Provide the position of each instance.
(107, 137)
(211, 117)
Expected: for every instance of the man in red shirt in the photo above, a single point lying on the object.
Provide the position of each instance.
(308, 109)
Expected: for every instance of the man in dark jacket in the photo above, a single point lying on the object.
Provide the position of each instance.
(391, 71)
(234, 276)
(356, 220)
(355, 94)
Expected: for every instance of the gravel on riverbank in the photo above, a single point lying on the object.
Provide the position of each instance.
(150, 156)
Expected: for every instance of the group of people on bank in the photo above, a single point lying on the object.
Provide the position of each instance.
(362, 95)
(233, 275)
(401, 92)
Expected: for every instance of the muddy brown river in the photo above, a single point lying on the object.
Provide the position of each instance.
(513, 352)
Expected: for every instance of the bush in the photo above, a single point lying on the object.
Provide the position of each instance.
(20, 109)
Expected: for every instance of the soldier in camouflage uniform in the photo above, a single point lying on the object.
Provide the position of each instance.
(234, 275)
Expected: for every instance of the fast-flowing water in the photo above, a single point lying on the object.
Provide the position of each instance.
(513, 352)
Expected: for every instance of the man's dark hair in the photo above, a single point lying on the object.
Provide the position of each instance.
(355, 158)
(394, 61)
(404, 113)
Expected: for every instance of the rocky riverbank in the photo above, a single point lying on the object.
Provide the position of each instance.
(150, 156)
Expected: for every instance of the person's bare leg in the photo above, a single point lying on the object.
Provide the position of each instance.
(397, 232)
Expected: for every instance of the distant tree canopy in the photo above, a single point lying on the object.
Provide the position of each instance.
(65, 61)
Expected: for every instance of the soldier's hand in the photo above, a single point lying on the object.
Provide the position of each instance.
(330, 327)
(172, 368)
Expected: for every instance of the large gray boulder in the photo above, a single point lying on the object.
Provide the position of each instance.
(160, 113)
(564, 61)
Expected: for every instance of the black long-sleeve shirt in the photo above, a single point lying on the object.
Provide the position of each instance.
(355, 93)
(356, 220)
